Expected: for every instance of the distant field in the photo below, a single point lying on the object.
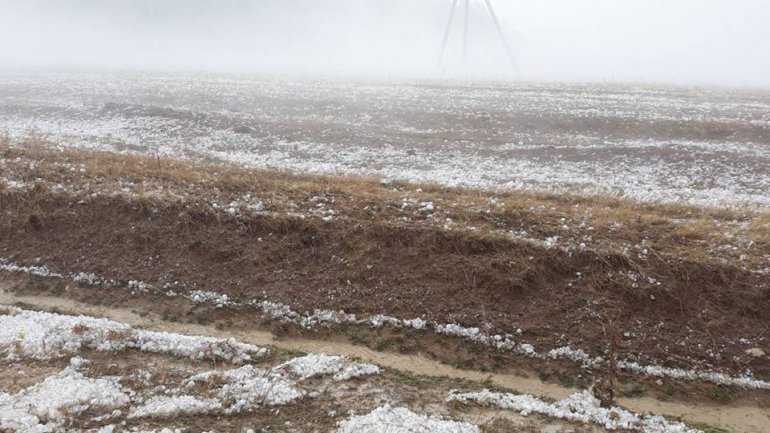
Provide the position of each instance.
(699, 146)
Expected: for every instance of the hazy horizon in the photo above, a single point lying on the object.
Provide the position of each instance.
(683, 42)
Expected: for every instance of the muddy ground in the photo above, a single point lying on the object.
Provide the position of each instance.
(411, 381)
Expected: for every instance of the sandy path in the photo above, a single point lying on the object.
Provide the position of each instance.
(736, 419)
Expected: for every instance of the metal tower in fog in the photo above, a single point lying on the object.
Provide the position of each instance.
(466, 25)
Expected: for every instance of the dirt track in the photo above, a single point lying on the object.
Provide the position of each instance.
(736, 419)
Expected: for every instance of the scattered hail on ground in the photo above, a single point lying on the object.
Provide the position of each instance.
(99, 375)
(649, 266)
(693, 145)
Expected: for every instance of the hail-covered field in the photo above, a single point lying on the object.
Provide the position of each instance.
(699, 146)
(150, 287)
(80, 373)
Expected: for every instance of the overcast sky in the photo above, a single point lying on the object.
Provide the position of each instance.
(677, 41)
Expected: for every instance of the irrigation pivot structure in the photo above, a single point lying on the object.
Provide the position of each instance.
(466, 28)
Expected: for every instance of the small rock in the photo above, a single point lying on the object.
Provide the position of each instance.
(755, 352)
(659, 382)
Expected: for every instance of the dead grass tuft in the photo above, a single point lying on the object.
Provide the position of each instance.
(80, 329)
(117, 335)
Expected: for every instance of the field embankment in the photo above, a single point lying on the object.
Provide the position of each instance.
(556, 285)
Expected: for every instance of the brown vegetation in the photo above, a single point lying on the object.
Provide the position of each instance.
(682, 281)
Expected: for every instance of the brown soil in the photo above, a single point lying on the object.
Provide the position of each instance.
(410, 380)
(420, 352)
(15, 378)
(370, 261)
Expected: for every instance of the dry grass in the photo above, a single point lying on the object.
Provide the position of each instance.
(697, 270)
(740, 237)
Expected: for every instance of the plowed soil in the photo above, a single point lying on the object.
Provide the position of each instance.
(688, 307)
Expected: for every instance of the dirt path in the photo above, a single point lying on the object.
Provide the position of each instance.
(736, 419)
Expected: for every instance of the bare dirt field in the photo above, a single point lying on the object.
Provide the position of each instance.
(225, 253)
(667, 302)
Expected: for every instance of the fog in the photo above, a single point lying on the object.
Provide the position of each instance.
(720, 42)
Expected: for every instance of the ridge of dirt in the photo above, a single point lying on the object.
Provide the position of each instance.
(348, 244)
(403, 272)
(563, 270)
(733, 417)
